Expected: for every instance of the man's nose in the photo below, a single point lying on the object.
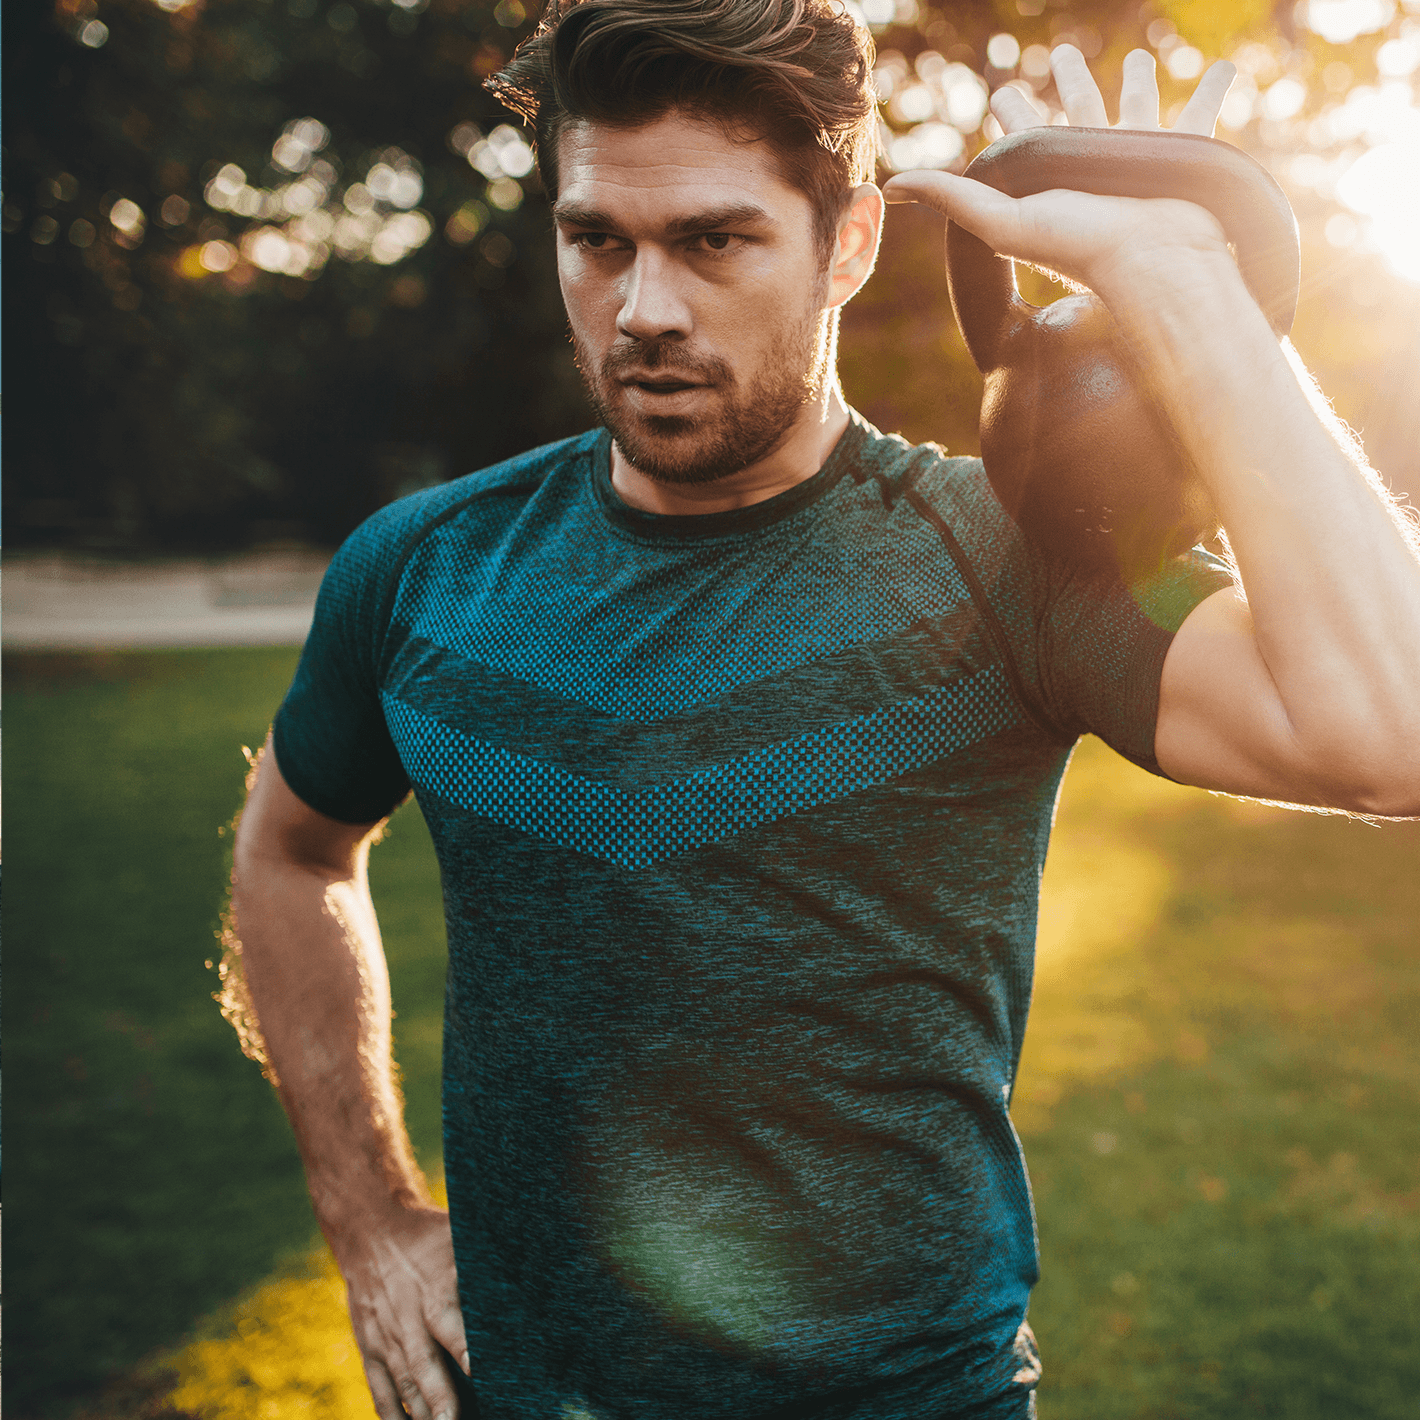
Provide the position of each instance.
(653, 304)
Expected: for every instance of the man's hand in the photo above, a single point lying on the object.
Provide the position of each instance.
(1083, 236)
(403, 1296)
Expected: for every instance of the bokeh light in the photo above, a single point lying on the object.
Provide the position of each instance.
(466, 223)
(1185, 62)
(126, 216)
(371, 219)
(1341, 21)
(1323, 127)
(217, 256)
(935, 103)
(1003, 51)
(504, 153)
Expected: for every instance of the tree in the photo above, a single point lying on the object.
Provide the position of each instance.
(270, 263)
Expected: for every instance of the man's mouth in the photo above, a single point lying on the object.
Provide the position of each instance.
(659, 384)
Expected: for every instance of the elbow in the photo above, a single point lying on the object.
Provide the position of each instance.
(1386, 801)
(248, 855)
(1382, 781)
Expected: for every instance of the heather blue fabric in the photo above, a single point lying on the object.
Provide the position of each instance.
(741, 820)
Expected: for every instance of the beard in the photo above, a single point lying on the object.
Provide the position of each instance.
(747, 422)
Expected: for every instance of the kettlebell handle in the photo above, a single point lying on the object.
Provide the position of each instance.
(1119, 162)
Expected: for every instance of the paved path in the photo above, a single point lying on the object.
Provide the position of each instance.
(59, 602)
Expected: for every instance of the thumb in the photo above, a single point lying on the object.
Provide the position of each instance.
(927, 186)
(990, 215)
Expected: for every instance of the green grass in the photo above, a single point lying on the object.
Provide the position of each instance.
(1219, 1094)
(1221, 1105)
(151, 1173)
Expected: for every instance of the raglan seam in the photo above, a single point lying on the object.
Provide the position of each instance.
(1034, 710)
(395, 577)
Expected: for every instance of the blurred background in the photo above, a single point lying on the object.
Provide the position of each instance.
(271, 263)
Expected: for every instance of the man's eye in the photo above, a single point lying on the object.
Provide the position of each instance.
(717, 241)
(602, 242)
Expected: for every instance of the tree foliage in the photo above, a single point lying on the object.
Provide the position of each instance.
(161, 401)
(270, 263)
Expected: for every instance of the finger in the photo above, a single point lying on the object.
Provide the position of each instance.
(1084, 105)
(1200, 113)
(415, 1406)
(426, 1391)
(993, 216)
(962, 199)
(1014, 111)
(914, 186)
(447, 1329)
(382, 1391)
(1139, 93)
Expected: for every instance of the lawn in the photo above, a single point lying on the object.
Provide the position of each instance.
(1220, 1097)
(152, 1176)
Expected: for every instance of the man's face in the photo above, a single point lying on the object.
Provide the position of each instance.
(695, 293)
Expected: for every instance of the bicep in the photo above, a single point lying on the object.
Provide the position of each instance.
(277, 825)
(1222, 723)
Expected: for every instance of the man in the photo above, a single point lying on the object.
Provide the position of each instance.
(738, 727)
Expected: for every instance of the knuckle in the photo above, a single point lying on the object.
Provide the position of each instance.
(428, 1372)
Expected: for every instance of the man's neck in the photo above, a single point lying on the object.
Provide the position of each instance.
(798, 457)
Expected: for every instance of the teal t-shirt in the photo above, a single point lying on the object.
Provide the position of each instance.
(741, 820)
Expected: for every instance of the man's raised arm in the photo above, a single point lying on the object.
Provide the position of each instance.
(315, 973)
(1306, 688)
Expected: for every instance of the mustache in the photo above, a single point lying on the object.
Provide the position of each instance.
(628, 355)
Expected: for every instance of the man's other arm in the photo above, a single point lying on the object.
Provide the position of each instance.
(1306, 686)
(315, 973)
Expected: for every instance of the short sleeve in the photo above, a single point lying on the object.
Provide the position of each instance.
(330, 737)
(1101, 646)
(1085, 651)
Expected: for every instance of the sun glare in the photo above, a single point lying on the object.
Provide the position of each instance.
(1384, 186)
(1349, 137)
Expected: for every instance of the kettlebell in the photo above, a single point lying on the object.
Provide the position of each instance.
(1077, 450)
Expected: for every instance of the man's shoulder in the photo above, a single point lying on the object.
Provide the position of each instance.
(935, 474)
(523, 474)
(370, 561)
(525, 471)
(398, 526)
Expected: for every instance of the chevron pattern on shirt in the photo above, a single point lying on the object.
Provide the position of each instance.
(636, 825)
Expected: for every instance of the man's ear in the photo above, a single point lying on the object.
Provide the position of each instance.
(855, 250)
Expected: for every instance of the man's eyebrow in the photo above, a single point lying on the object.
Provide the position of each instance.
(712, 219)
(717, 219)
(569, 214)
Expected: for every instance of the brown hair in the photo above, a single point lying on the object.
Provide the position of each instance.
(796, 72)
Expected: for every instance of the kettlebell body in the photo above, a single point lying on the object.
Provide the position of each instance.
(1077, 450)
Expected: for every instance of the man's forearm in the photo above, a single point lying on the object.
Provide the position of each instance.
(315, 972)
(1332, 579)
(316, 981)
